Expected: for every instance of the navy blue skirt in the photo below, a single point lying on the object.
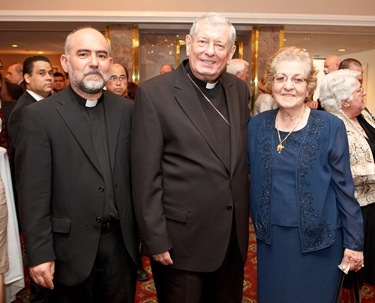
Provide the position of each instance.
(286, 275)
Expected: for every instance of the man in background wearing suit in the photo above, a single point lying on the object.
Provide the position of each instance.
(75, 202)
(38, 77)
(189, 171)
(15, 73)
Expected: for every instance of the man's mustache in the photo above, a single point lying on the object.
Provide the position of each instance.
(94, 71)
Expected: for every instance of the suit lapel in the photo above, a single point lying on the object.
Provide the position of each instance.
(190, 104)
(231, 94)
(71, 113)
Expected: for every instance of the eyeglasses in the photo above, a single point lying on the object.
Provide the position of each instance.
(282, 78)
(360, 90)
(115, 78)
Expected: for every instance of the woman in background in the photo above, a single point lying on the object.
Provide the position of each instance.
(306, 218)
(264, 100)
(341, 93)
(9, 94)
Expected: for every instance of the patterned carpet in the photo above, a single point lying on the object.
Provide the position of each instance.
(146, 290)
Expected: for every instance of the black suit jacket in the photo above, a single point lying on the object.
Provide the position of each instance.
(61, 194)
(14, 118)
(184, 193)
(7, 108)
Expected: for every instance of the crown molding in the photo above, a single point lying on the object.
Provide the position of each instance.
(181, 17)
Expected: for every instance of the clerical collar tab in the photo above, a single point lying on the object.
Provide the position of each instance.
(211, 85)
(91, 103)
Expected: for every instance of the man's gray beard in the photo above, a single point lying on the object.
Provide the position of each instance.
(88, 86)
(91, 87)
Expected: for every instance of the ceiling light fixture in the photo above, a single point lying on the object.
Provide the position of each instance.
(341, 50)
(14, 45)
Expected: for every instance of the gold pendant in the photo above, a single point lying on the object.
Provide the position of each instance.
(279, 148)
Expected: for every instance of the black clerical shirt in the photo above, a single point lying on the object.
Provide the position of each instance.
(217, 97)
(97, 126)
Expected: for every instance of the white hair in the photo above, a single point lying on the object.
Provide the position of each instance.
(237, 66)
(337, 86)
(214, 18)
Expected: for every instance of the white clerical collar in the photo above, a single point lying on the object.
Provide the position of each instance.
(90, 103)
(211, 85)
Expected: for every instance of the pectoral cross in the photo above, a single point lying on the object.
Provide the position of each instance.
(279, 148)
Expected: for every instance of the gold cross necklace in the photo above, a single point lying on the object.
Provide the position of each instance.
(281, 146)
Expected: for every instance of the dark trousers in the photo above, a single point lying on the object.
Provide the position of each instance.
(36, 292)
(112, 279)
(222, 286)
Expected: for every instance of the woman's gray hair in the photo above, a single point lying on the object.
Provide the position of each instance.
(292, 53)
(214, 18)
(337, 86)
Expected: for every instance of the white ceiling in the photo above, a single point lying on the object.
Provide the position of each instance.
(321, 41)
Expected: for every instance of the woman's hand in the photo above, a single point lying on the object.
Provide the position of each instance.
(352, 258)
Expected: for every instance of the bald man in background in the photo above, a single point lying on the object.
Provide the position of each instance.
(331, 63)
(118, 80)
(15, 73)
(239, 68)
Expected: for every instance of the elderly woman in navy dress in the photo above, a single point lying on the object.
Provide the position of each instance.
(305, 215)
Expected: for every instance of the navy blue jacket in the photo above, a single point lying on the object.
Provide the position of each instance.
(324, 184)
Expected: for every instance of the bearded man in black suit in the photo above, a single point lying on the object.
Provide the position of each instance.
(189, 171)
(72, 159)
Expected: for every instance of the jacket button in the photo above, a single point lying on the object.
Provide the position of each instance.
(99, 220)
(101, 189)
(229, 207)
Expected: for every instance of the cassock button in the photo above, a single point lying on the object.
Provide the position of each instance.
(101, 189)
(99, 220)
(229, 207)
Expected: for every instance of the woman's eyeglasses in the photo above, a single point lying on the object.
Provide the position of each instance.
(282, 78)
